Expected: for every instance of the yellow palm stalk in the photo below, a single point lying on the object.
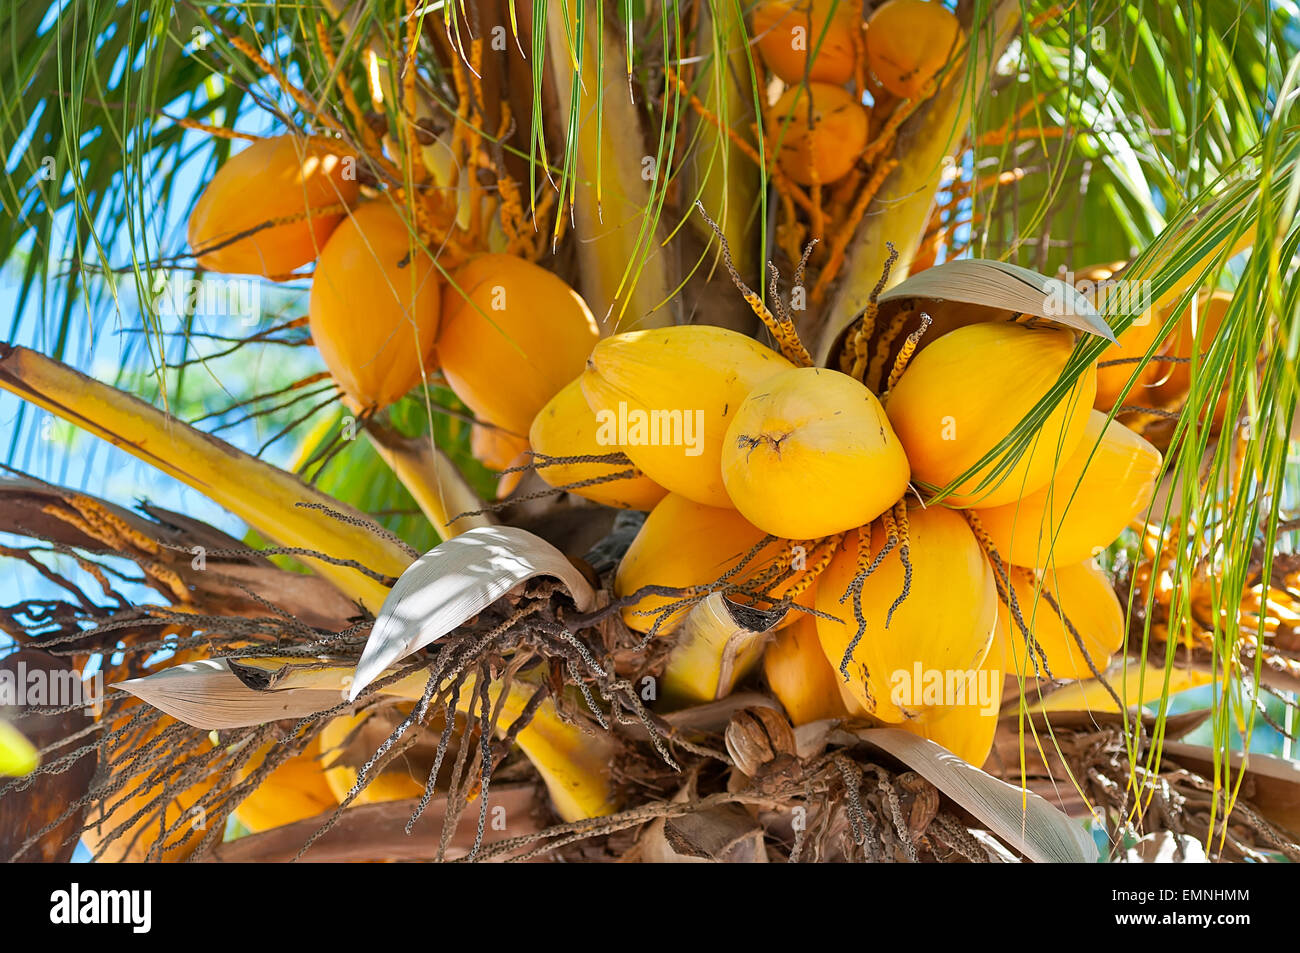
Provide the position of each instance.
(264, 496)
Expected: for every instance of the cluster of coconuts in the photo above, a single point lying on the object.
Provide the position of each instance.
(814, 46)
(733, 444)
(382, 314)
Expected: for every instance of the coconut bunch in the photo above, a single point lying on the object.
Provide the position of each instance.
(827, 58)
(420, 273)
(889, 531)
(422, 258)
(836, 90)
(383, 316)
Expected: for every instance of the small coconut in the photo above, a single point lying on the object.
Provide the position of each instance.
(909, 42)
(513, 334)
(374, 306)
(788, 33)
(280, 178)
(819, 133)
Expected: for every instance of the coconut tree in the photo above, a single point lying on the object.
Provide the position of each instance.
(986, 310)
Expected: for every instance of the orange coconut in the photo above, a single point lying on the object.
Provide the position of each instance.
(909, 42)
(788, 33)
(1098, 284)
(495, 448)
(284, 177)
(825, 149)
(374, 306)
(1174, 380)
(513, 335)
(499, 450)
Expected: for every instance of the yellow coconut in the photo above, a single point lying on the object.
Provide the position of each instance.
(788, 33)
(968, 728)
(1098, 490)
(294, 791)
(909, 42)
(681, 544)
(797, 670)
(349, 741)
(566, 427)
(666, 396)
(944, 624)
(1084, 594)
(1136, 682)
(513, 334)
(811, 453)
(825, 149)
(374, 306)
(1210, 310)
(966, 393)
(1134, 341)
(284, 177)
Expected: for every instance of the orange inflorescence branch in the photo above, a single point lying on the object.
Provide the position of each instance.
(305, 102)
(218, 132)
(369, 141)
(844, 234)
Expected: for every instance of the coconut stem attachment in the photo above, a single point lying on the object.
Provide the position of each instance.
(897, 522)
(854, 358)
(1001, 576)
(782, 328)
(905, 354)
